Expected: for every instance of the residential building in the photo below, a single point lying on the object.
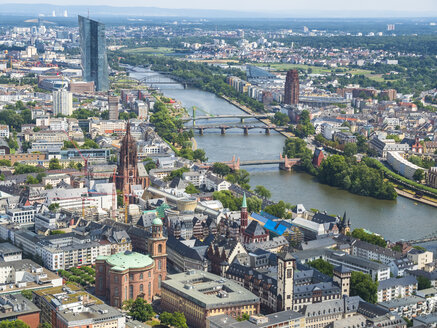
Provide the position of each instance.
(22, 215)
(409, 307)
(62, 102)
(9, 252)
(70, 306)
(278, 319)
(185, 255)
(402, 165)
(420, 257)
(383, 146)
(16, 276)
(431, 177)
(17, 307)
(93, 53)
(373, 252)
(4, 131)
(113, 107)
(200, 294)
(393, 288)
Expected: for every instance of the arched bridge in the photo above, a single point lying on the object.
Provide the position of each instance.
(430, 237)
(242, 117)
(245, 128)
(285, 163)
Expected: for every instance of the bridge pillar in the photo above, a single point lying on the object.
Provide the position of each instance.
(286, 165)
(241, 119)
(201, 131)
(267, 131)
(246, 131)
(223, 131)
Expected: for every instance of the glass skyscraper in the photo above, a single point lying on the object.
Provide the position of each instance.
(93, 52)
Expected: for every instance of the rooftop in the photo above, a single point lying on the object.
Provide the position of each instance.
(208, 290)
(127, 260)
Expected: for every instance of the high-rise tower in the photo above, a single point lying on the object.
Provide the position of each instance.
(93, 53)
(291, 95)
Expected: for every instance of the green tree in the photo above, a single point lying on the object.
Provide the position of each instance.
(350, 149)
(221, 169)
(31, 180)
(54, 164)
(44, 325)
(90, 144)
(149, 164)
(5, 162)
(362, 285)
(279, 210)
(200, 155)
(423, 283)
(191, 189)
(263, 192)
(323, 266)
(53, 207)
(418, 175)
(244, 317)
(13, 324)
(139, 309)
(369, 237)
(27, 294)
(240, 177)
(280, 119)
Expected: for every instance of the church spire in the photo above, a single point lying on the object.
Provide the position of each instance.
(244, 204)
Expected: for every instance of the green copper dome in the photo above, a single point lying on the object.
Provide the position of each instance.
(157, 221)
(129, 260)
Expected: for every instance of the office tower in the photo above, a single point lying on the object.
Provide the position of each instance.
(113, 107)
(391, 27)
(93, 53)
(291, 96)
(62, 103)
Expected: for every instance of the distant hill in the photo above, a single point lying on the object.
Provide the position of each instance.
(47, 9)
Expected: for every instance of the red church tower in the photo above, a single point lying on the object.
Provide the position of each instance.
(244, 215)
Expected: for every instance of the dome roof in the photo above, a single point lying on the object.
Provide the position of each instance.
(157, 221)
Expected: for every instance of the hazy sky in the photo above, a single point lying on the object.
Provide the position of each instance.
(259, 5)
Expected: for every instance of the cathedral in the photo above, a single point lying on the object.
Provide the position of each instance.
(129, 171)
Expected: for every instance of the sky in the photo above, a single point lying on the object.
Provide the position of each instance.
(259, 5)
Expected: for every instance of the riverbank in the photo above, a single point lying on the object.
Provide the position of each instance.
(413, 197)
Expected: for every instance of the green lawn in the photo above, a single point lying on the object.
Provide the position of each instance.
(149, 50)
(323, 70)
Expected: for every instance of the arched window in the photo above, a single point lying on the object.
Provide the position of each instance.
(159, 264)
(149, 292)
(131, 291)
(159, 281)
(141, 288)
(141, 276)
(159, 248)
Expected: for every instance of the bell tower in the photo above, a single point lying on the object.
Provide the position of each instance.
(244, 215)
(285, 287)
(158, 252)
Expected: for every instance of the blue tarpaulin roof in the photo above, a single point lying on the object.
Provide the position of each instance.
(259, 218)
(269, 216)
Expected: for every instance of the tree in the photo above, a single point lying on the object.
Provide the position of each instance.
(149, 164)
(254, 204)
(423, 283)
(418, 175)
(191, 189)
(13, 324)
(279, 210)
(240, 177)
(200, 155)
(221, 169)
(362, 285)
(244, 317)
(263, 192)
(53, 207)
(139, 309)
(176, 319)
(54, 164)
(280, 119)
(369, 237)
(31, 180)
(350, 149)
(44, 325)
(90, 144)
(323, 266)
(27, 294)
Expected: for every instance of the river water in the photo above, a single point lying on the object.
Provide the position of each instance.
(395, 220)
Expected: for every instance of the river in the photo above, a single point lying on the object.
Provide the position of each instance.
(395, 220)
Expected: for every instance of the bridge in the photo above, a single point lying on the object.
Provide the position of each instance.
(224, 128)
(285, 163)
(242, 117)
(430, 237)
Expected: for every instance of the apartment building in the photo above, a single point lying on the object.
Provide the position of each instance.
(394, 288)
